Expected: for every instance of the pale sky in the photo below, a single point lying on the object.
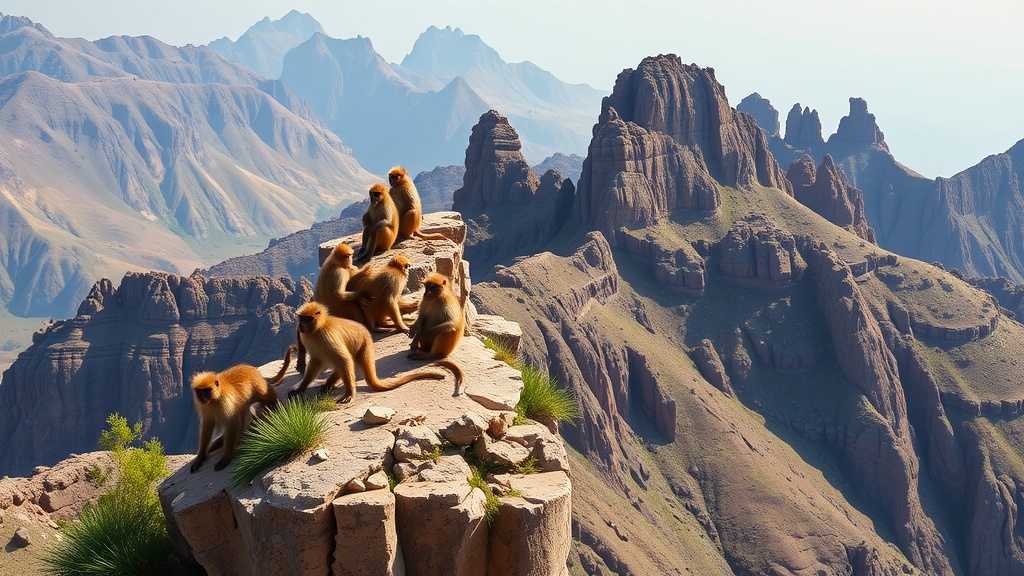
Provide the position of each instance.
(944, 78)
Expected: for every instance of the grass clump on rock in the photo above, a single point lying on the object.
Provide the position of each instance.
(493, 502)
(123, 532)
(289, 429)
(541, 398)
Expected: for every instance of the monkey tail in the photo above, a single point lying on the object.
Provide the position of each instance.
(393, 383)
(284, 367)
(456, 371)
(431, 236)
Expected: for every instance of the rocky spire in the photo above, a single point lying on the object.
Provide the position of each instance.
(859, 127)
(826, 192)
(496, 171)
(803, 128)
(499, 182)
(666, 139)
(762, 110)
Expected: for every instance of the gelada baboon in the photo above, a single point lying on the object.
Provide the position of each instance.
(340, 344)
(223, 401)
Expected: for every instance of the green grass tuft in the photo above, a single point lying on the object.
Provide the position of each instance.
(502, 352)
(434, 455)
(528, 466)
(291, 428)
(117, 537)
(542, 399)
(123, 532)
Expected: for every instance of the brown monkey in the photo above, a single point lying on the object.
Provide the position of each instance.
(223, 400)
(441, 322)
(407, 202)
(340, 344)
(384, 285)
(332, 291)
(380, 223)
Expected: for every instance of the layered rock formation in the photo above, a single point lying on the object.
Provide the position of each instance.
(859, 127)
(666, 139)
(498, 179)
(762, 110)
(132, 350)
(826, 192)
(881, 367)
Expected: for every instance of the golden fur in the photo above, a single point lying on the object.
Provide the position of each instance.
(223, 401)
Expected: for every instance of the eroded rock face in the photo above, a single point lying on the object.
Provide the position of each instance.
(803, 128)
(665, 139)
(756, 253)
(133, 350)
(859, 127)
(498, 180)
(880, 453)
(762, 110)
(826, 192)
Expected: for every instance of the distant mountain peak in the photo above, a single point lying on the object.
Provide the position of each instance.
(262, 47)
(445, 53)
(11, 23)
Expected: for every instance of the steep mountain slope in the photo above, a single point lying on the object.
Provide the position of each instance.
(129, 174)
(262, 47)
(425, 107)
(971, 221)
(763, 391)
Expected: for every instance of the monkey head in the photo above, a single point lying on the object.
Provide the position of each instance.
(400, 263)
(311, 316)
(434, 285)
(396, 175)
(342, 253)
(377, 192)
(206, 387)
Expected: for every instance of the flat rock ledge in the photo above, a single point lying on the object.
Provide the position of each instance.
(311, 516)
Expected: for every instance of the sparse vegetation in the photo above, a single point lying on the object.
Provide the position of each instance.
(528, 466)
(542, 399)
(502, 351)
(123, 532)
(433, 456)
(291, 428)
(493, 502)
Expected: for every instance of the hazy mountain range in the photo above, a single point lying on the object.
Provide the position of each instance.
(129, 154)
(972, 221)
(423, 107)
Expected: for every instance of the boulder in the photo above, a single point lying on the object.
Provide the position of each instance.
(423, 509)
(367, 543)
(527, 534)
(465, 430)
(412, 442)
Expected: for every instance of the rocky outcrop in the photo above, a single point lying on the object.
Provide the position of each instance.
(826, 192)
(333, 517)
(803, 128)
(758, 254)
(679, 268)
(762, 110)
(132, 349)
(666, 139)
(710, 365)
(499, 180)
(859, 127)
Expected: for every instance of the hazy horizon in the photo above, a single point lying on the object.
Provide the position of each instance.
(943, 78)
